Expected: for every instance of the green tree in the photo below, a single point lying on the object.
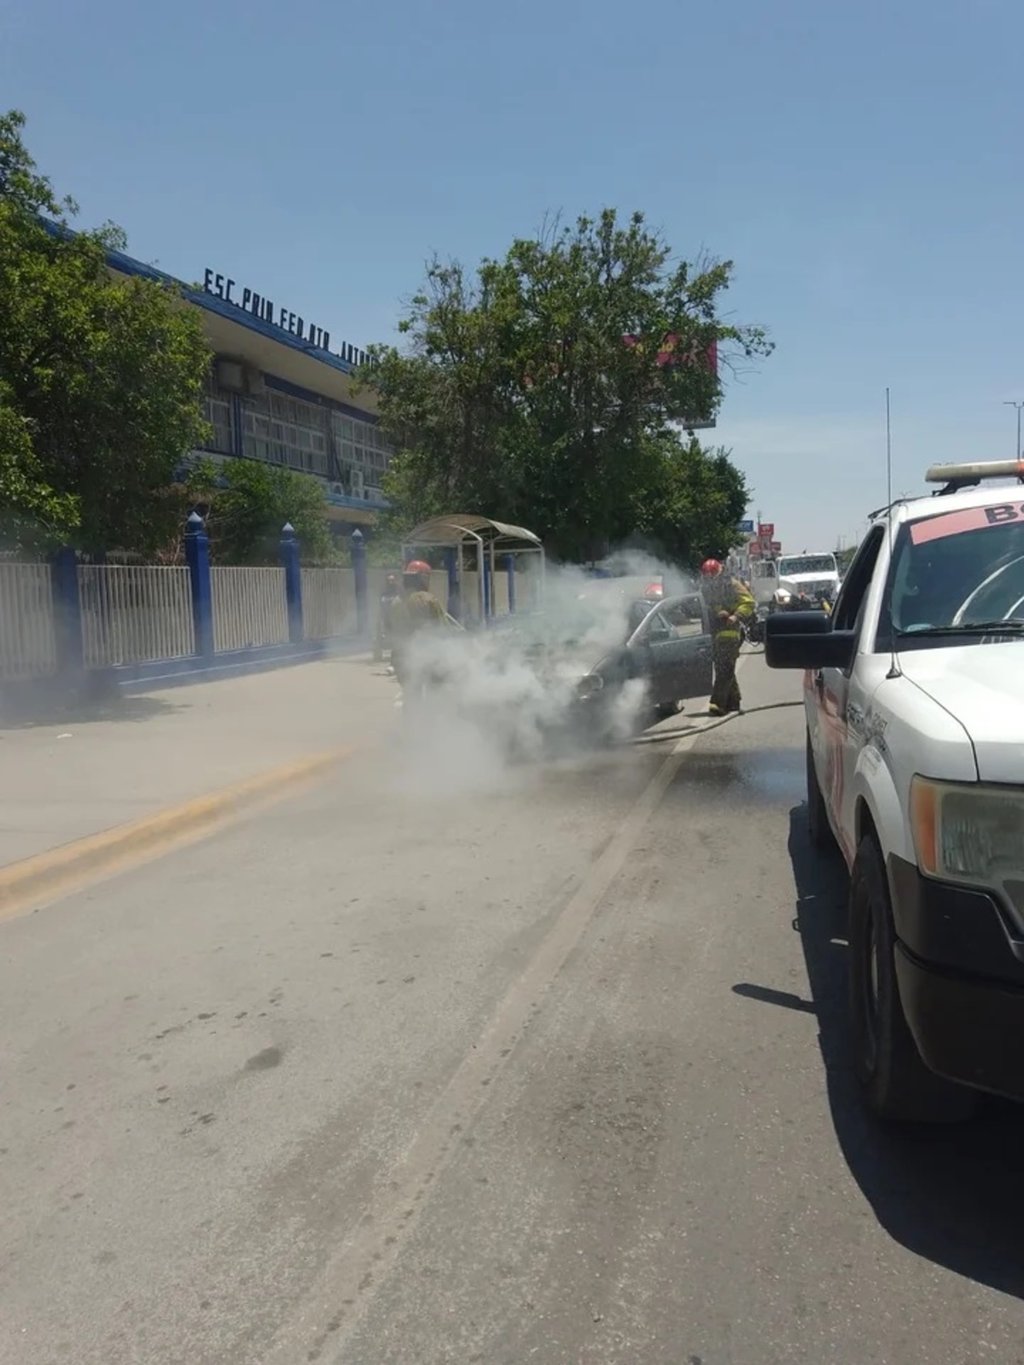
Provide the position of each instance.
(33, 515)
(101, 377)
(844, 557)
(246, 504)
(691, 508)
(548, 389)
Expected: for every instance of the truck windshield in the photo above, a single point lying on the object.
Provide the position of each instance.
(957, 575)
(798, 564)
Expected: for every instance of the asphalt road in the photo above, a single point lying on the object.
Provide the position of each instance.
(450, 1062)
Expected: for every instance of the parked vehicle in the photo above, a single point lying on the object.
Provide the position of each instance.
(664, 659)
(915, 768)
(815, 576)
(670, 651)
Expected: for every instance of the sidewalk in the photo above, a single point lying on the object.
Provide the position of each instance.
(141, 754)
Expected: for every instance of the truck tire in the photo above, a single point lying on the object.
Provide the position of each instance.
(818, 826)
(896, 1085)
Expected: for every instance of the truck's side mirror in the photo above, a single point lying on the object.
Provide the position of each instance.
(805, 639)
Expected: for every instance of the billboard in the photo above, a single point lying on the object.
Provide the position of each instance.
(668, 351)
(746, 527)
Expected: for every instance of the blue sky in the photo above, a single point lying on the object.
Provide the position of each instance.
(861, 164)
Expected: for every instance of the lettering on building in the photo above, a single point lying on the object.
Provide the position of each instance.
(261, 306)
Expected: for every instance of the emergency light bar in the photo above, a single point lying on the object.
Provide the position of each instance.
(980, 469)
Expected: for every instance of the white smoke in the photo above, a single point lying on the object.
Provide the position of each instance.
(481, 705)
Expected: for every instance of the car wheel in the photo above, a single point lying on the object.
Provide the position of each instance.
(818, 826)
(896, 1085)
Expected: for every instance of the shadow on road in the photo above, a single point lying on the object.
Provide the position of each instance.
(26, 708)
(952, 1195)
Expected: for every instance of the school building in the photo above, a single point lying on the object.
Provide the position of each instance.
(281, 389)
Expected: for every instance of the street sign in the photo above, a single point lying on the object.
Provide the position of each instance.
(747, 527)
(766, 529)
(754, 549)
(776, 547)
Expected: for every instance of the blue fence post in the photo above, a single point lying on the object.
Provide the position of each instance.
(292, 581)
(451, 563)
(359, 575)
(67, 608)
(510, 573)
(197, 556)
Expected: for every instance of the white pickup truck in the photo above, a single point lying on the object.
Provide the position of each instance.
(914, 700)
(815, 576)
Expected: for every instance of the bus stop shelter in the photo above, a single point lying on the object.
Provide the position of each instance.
(482, 542)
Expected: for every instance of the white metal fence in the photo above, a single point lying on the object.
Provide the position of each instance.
(132, 613)
(249, 608)
(328, 602)
(136, 613)
(28, 644)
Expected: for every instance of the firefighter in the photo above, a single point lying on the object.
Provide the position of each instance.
(388, 598)
(416, 610)
(639, 609)
(729, 604)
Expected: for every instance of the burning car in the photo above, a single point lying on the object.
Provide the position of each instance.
(606, 688)
(599, 668)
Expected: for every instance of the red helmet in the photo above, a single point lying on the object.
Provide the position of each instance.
(654, 592)
(711, 568)
(415, 567)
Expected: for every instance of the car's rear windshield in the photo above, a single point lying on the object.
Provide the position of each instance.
(957, 570)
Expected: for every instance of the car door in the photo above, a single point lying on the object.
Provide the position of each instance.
(834, 716)
(693, 629)
(674, 645)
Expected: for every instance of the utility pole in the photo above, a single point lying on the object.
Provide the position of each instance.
(1011, 403)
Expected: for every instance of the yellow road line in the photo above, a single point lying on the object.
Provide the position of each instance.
(31, 882)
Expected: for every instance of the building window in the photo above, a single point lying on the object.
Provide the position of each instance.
(217, 411)
(314, 439)
(288, 431)
(361, 447)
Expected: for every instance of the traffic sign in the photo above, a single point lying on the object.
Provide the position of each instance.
(747, 527)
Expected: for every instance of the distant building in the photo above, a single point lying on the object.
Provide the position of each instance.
(281, 390)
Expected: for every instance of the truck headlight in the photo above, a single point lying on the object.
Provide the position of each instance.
(589, 686)
(972, 835)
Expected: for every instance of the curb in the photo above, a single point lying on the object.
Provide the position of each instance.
(27, 884)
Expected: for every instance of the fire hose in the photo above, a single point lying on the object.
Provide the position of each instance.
(714, 723)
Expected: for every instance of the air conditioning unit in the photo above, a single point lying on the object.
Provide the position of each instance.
(357, 484)
(230, 375)
(254, 382)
